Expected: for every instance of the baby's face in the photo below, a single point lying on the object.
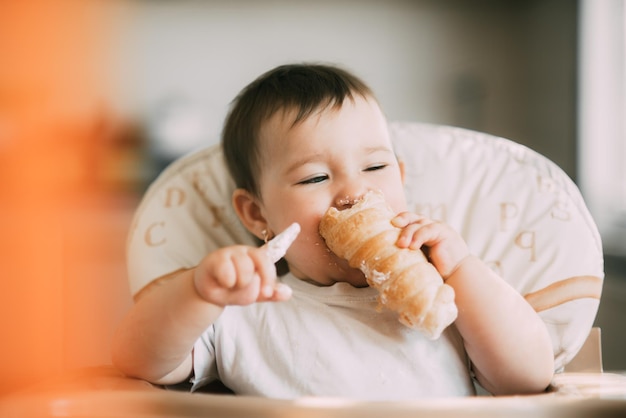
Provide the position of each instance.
(330, 159)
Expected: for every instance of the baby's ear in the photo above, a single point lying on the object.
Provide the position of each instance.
(249, 212)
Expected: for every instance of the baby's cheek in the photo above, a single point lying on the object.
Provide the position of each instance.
(397, 203)
(305, 248)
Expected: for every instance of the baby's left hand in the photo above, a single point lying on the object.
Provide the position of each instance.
(446, 247)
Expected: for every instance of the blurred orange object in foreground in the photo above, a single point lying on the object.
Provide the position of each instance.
(50, 53)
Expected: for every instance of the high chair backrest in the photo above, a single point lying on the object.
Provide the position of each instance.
(516, 209)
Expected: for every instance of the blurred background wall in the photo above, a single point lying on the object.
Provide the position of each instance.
(506, 67)
(101, 95)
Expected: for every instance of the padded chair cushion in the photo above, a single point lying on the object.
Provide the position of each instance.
(517, 211)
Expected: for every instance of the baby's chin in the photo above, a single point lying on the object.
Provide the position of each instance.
(358, 281)
(350, 275)
(340, 272)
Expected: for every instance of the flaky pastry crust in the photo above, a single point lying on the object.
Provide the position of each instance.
(407, 283)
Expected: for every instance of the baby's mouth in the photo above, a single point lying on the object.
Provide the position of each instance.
(346, 202)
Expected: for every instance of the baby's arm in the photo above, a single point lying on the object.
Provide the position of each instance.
(506, 340)
(155, 339)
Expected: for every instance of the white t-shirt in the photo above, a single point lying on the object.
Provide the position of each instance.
(328, 341)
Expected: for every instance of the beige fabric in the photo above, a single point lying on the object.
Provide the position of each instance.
(185, 214)
(517, 211)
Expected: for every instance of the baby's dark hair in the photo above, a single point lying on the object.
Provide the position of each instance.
(303, 88)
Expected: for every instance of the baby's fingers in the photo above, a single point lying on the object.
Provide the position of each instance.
(271, 289)
(223, 268)
(266, 271)
(406, 218)
(411, 225)
(281, 292)
(238, 275)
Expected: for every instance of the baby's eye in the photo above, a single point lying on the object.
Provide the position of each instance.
(314, 179)
(375, 167)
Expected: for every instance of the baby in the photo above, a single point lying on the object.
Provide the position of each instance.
(298, 140)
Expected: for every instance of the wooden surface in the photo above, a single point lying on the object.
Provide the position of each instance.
(103, 392)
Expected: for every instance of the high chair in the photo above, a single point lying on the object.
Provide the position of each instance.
(517, 211)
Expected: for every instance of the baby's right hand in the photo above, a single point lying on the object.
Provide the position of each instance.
(238, 275)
